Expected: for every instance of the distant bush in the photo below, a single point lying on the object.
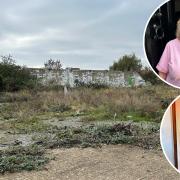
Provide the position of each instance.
(127, 63)
(14, 77)
(148, 75)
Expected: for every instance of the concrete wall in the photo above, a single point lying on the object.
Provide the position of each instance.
(70, 77)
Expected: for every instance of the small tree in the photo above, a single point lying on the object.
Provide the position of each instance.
(7, 60)
(53, 64)
(127, 63)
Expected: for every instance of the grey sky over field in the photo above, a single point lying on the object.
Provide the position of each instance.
(81, 33)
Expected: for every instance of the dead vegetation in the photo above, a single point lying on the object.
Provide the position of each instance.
(140, 103)
(17, 158)
(124, 115)
(95, 136)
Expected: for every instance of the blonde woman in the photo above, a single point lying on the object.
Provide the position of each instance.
(169, 64)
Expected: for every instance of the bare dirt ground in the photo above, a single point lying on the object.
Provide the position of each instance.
(109, 162)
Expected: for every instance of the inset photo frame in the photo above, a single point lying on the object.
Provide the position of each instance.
(170, 134)
(161, 42)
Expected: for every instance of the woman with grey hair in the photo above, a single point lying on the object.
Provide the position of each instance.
(169, 64)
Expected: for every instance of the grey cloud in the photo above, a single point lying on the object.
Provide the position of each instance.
(83, 33)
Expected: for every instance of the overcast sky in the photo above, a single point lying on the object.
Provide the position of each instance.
(89, 34)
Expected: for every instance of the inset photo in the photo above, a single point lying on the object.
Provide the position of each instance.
(170, 134)
(162, 42)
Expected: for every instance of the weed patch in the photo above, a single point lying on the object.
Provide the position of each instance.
(92, 136)
(30, 125)
(22, 158)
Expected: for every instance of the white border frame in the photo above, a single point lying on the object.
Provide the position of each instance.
(145, 49)
(161, 134)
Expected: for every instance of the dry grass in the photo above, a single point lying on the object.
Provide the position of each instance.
(96, 104)
(24, 111)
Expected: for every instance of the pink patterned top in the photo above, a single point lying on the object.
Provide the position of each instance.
(170, 62)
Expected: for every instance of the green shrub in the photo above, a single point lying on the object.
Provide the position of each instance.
(22, 158)
(14, 77)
